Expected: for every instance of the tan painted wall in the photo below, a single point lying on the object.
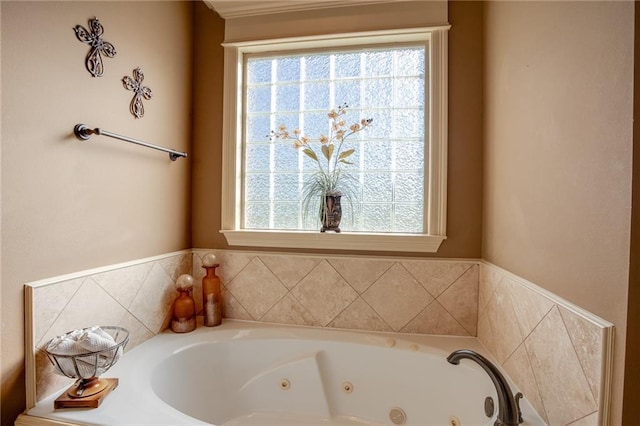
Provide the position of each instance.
(69, 205)
(465, 118)
(558, 147)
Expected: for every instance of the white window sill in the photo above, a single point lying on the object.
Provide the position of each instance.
(329, 240)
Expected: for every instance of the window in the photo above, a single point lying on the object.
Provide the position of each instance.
(399, 164)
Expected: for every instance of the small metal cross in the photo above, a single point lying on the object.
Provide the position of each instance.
(135, 85)
(93, 37)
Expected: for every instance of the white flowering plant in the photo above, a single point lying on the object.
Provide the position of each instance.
(331, 154)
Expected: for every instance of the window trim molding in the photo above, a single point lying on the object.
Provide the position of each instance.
(435, 206)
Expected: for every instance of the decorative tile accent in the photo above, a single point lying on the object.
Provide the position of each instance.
(555, 355)
(231, 308)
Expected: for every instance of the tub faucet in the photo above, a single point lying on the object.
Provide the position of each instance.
(509, 413)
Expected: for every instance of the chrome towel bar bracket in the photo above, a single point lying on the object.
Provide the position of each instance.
(83, 132)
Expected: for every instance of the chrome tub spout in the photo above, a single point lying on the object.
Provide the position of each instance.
(509, 413)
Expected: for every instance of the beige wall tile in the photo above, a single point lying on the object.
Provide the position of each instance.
(231, 263)
(290, 269)
(435, 276)
(518, 367)
(324, 293)
(461, 300)
(256, 288)
(587, 342)
(138, 333)
(590, 420)
(530, 306)
(289, 311)
(175, 266)
(231, 308)
(154, 299)
(397, 297)
(123, 284)
(434, 319)
(564, 389)
(487, 285)
(360, 316)
(49, 301)
(360, 273)
(498, 329)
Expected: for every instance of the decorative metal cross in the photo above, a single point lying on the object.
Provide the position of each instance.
(135, 85)
(93, 37)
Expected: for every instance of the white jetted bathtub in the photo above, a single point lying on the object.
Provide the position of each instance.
(244, 373)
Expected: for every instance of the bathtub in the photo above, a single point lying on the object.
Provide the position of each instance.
(245, 373)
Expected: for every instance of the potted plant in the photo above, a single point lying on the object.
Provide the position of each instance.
(330, 182)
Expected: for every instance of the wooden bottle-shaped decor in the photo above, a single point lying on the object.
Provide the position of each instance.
(184, 307)
(211, 294)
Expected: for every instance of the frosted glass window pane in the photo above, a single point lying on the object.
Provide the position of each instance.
(286, 156)
(382, 124)
(259, 99)
(257, 215)
(378, 63)
(408, 218)
(410, 62)
(408, 92)
(258, 158)
(410, 155)
(378, 93)
(287, 98)
(316, 124)
(409, 187)
(351, 215)
(348, 91)
(257, 187)
(317, 67)
(376, 217)
(286, 187)
(290, 120)
(285, 215)
(410, 121)
(377, 187)
(317, 96)
(378, 155)
(288, 69)
(259, 71)
(347, 65)
(258, 128)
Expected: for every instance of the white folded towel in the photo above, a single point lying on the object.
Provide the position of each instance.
(78, 342)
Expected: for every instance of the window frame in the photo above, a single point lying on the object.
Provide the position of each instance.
(436, 120)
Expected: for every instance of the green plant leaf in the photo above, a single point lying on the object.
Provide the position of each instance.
(345, 161)
(310, 153)
(331, 147)
(346, 153)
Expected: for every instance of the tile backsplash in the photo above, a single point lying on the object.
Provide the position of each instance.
(554, 352)
(379, 294)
